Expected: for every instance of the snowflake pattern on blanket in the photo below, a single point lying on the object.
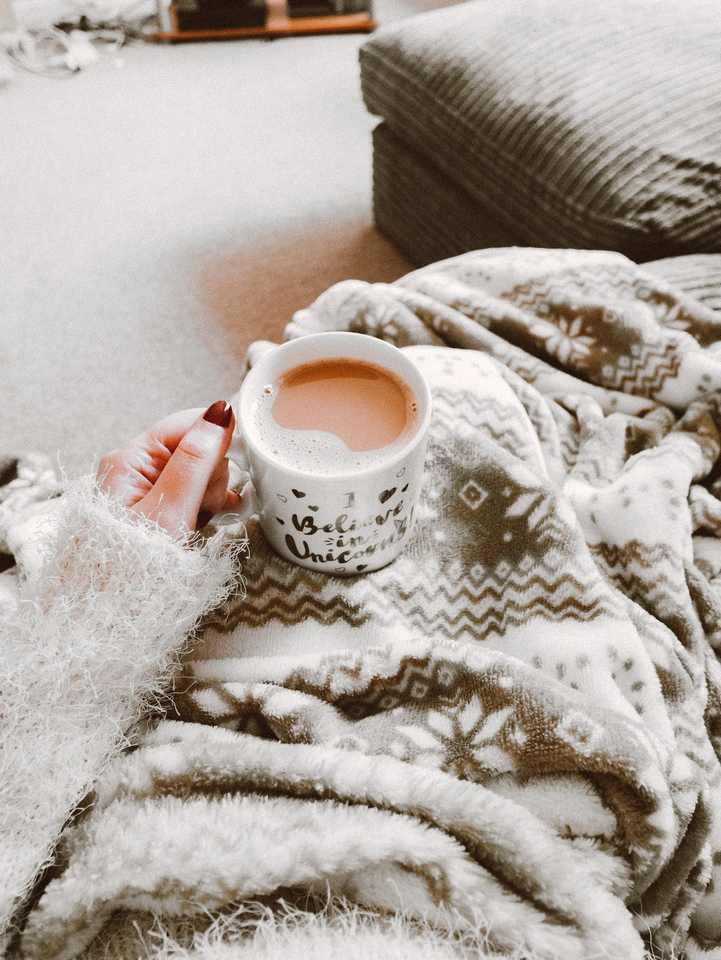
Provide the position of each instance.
(514, 727)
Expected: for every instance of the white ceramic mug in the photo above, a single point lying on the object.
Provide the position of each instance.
(344, 523)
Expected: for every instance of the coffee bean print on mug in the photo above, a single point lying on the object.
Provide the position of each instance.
(345, 541)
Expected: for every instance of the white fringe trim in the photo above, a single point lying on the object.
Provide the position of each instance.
(339, 930)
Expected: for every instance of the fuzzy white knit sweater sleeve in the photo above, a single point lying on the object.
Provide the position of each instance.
(100, 608)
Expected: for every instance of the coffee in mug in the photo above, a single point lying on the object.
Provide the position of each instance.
(332, 428)
(334, 414)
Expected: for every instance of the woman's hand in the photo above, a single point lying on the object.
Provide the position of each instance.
(176, 471)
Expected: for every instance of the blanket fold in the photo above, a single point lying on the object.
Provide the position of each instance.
(513, 730)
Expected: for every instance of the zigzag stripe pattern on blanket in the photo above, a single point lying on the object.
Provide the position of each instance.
(514, 728)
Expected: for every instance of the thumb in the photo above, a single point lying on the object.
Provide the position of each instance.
(178, 492)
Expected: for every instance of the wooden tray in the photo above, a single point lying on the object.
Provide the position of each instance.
(278, 24)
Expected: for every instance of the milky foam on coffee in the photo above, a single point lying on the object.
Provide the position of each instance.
(320, 452)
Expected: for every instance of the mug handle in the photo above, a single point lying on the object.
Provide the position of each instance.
(239, 466)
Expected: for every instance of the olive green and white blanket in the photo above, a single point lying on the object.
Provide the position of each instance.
(515, 728)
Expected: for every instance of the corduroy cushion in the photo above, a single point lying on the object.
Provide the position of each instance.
(573, 124)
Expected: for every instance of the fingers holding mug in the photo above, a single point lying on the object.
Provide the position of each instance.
(193, 473)
(218, 495)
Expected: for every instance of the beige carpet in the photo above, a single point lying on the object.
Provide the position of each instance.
(157, 215)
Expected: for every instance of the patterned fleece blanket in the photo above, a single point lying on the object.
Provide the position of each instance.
(514, 729)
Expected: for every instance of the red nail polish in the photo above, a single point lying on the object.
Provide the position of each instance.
(219, 413)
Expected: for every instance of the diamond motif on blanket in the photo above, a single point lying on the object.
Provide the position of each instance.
(476, 572)
(472, 494)
(579, 732)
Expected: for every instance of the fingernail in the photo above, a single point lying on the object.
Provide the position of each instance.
(219, 413)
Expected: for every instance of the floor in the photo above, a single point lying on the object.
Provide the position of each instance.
(159, 213)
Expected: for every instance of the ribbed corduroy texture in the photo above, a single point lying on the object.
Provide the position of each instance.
(567, 124)
(426, 215)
